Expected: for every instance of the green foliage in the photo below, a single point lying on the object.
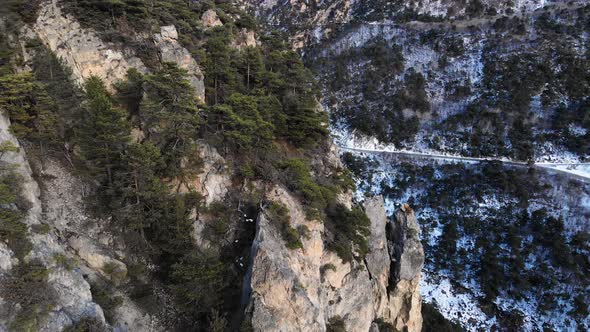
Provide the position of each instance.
(490, 272)
(279, 215)
(349, 232)
(130, 91)
(141, 187)
(221, 217)
(170, 115)
(306, 124)
(241, 124)
(282, 87)
(18, 97)
(358, 166)
(336, 324)
(327, 267)
(574, 116)
(41, 228)
(12, 229)
(7, 147)
(510, 83)
(120, 21)
(66, 96)
(64, 261)
(261, 106)
(28, 106)
(297, 176)
(198, 282)
(114, 271)
(18, 12)
(104, 132)
(433, 321)
(217, 322)
(447, 247)
(26, 288)
(103, 295)
(521, 137)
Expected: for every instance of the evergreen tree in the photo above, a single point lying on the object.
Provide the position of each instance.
(306, 125)
(142, 185)
(130, 91)
(104, 132)
(171, 117)
(198, 282)
(17, 97)
(220, 71)
(29, 107)
(67, 96)
(251, 67)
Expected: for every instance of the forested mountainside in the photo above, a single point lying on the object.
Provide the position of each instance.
(506, 245)
(167, 166)
(477, 78)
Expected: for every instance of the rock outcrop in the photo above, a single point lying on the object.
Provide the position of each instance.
(245, 38)
(97, 252)
(171, 51)
(407, 262)
(210, 19)
(300, 290)
(82, 50)
(86, 54)
(72, 299)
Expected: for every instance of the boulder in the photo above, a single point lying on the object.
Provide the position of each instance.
(210, 19)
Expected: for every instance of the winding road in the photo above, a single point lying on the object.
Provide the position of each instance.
(548, 167)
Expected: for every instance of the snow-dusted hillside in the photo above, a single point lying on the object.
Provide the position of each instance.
(505, 247)
(497, 86)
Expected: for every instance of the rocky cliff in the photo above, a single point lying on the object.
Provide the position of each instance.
(306, 289)
(88, 55)
(70, 292)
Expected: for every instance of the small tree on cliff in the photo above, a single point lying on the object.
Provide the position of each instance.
(104, 132)
(170, 113)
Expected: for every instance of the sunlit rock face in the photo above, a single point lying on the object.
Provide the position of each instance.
(87, 55)
(82, 50)
(301, 290)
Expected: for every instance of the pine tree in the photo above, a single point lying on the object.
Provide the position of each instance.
(104, 132)
(130, 91)
(17, 97)
(67, 96)
(221, 78)
(170, 113)
(251, 67)
(141, 186)
(29, 107)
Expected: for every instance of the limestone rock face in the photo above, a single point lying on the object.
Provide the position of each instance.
(73, 300)
(82, 50)
(95, 258)
(300, 290)
(89, 241)
(210, 19)
(407, 249)
(171, 51)
(408, 259)
(86, 54)
(6, 257)
(214, 179)
(285, 283)
(245, 38)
